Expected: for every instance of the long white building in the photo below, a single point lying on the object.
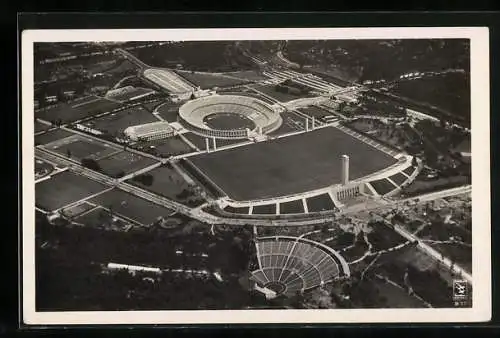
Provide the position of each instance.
(150, 131)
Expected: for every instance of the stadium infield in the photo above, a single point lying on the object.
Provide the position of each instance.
(289, 165)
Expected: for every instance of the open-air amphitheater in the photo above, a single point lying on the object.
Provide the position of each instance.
(194, 113)
(288, 265)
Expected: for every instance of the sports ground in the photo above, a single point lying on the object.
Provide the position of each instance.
(168, 80)
(78, 109)
(81, 147)
(289, 165)
(63, 189)
(131, 206)
(116, 123)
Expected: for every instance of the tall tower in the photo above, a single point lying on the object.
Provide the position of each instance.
(345, 169)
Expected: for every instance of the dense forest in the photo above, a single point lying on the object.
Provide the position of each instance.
(383, 59)
(71, 272)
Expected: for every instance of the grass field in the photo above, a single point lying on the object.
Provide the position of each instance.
(168, 111)
(166, 147)
(150, 106)
(292, 207)
(249, 75)
(291, 123)
(289, 165)
(166, 182)
(101, 218)
(131, 206)
(320, 203)
(228, 121)
(409, 170)
(79, 209)
(39, 127)
(76, 110)
(383, 186)
(237, 210)
(266, 209)
(81, 147)
(124, 162)
(398, 178)
(63, 189)
(51, 136)
(208, 81)
(116, 123)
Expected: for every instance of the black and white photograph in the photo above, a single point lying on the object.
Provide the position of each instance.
(255, 176)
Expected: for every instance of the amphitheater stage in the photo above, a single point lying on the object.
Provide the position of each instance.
(289, 165)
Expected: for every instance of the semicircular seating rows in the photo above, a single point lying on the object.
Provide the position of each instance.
(296, 265)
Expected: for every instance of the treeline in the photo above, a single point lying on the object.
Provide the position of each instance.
(70, 277)
(210, 56)
(383, 59)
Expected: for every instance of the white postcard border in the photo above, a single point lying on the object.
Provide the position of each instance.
(480, 126)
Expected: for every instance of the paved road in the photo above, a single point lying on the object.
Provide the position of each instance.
(434, 253)
(132, 58)
(195, 213)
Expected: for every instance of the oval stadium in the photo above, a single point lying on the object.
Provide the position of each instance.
(288, 265)
(229, 116)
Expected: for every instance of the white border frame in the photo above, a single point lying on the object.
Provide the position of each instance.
(480, 126)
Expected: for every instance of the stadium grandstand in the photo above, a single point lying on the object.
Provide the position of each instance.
(288, 265)
(149, 131)
(194, 114)
(169, 81)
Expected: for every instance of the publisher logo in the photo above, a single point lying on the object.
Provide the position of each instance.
(460, 289)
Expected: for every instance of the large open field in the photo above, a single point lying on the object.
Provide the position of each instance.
(167, 147)
(80, 147)
(168, 80)
(208, 80)
(169, 183)
(291, 122)
(51, 136)
(127, 205)
(116, 123)
(76, 110)
(39, 127)
(124, 162)
(168, 111)
(289, 165)
(63, 189)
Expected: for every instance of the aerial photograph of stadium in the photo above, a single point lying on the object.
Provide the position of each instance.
(242, 175)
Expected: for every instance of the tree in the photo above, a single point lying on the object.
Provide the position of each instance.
(414, 161)
(91, 164)
(341, 106)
